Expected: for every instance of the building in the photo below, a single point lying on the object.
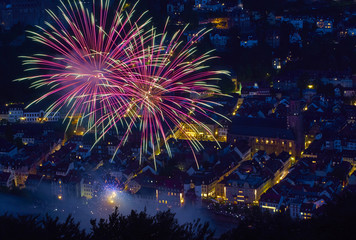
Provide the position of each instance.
(26, 12)
(270, 135)
(220, 23)
(201, 3)
(7, 149)
(210, 183)
(219, 40)
(40, 116)
(15, 112)
(248, 42)
(344, 80)
(296, 39)
(295, 123)
(306, 211)
(175, 8)
(297, 23)
(208, 6)
(87, 188)
(247, 191)
(170, 192)
(254, 177)
(278, 63)
(285, 82)
(294, 208)
(324, 26)
(242, 20)
(271, 201)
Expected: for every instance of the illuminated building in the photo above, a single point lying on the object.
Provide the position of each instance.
(294, 207)
(133, 186)
(278, 63)
(324, 26)
(306, 211)
(15, 113)
(210, 183)
(248, 42)
(201, 3)
(169, 191)
(200, 133)
(86, 188)
(208, 6)
(247, 190)
(295, 123)
(249, 182)
(41, 116)
(270, 135)
(171, 195)
(220, 23)
(271, 201)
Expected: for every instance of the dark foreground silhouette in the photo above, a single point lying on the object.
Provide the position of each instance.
(337, 221)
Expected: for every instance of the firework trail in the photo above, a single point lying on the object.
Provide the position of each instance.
(87, 46)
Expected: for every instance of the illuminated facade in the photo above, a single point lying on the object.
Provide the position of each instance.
(16, 113)
(220, 23)
(86, 188)
(249, 182)
(200, 133)
(41, 116)
(271, 201)
(246, 191)
(171, 197)
(306, 211)
(324, 26)
(268, 135)
(212, 184)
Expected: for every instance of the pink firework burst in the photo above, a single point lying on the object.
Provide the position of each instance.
(88, 47)
(168, 86)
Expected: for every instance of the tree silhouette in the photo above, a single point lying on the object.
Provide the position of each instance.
(162, 226)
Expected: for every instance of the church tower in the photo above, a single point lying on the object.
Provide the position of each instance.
(295, 122)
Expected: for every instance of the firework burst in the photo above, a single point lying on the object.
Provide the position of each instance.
(111, 71)
(167, 86)
(87, 47)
